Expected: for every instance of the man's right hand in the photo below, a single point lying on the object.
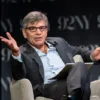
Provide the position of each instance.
(11, 43)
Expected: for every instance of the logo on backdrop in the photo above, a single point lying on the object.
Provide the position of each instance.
(90, 47)
(71, 23)
(4, 83)
(15, 1)
(98, 20)
(5, 54)
(6, 25)
(23, 1)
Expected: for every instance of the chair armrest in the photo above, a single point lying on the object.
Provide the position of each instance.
(78, 58)
(95, 90)
(21, 90)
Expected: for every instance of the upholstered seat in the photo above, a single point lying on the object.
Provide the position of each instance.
(22, 89)
(95, 90)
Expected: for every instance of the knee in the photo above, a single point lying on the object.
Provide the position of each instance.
(80, 65)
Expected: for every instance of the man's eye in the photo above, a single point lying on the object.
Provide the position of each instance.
(32, 28)
(41, 27)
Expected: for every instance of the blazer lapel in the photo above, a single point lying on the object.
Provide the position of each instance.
(32, 53)
(63, 52)
(65, 55)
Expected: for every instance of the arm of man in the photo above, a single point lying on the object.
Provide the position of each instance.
(17, 67)
(87, 55)
(84, 52)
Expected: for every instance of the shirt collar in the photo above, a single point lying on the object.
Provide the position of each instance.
(50, 47)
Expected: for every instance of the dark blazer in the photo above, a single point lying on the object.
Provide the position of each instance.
(32, 67)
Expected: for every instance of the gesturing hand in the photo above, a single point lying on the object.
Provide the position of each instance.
(11, 43)
(96, 54)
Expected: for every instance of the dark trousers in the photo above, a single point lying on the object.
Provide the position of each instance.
(77, 78)
(55, 90)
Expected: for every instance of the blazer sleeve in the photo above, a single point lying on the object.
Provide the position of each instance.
(18, 69)
(84, 52)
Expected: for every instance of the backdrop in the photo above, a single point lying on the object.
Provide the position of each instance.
(77, 21)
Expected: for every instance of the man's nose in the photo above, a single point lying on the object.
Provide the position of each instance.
(38, 31)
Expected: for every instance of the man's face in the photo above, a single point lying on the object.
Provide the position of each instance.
(36, 33)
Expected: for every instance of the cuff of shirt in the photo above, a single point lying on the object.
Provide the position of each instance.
(95, 62)
(17, 57)
(91, 58)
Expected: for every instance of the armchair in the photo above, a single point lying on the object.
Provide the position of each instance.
(22, 89)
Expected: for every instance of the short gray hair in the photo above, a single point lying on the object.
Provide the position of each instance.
(33, 17)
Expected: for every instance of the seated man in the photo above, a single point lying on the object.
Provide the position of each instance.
(42, 58)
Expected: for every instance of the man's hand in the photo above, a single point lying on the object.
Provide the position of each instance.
(96, 54)
(11, 43)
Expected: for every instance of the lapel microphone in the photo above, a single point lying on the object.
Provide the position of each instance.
(55, 43)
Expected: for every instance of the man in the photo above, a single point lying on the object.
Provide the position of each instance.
(42, 58)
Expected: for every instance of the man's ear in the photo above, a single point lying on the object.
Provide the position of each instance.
(24, 33)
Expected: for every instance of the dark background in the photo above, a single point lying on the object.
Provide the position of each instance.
(77, 21)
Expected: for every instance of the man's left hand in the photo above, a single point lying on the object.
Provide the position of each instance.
(95, 55)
